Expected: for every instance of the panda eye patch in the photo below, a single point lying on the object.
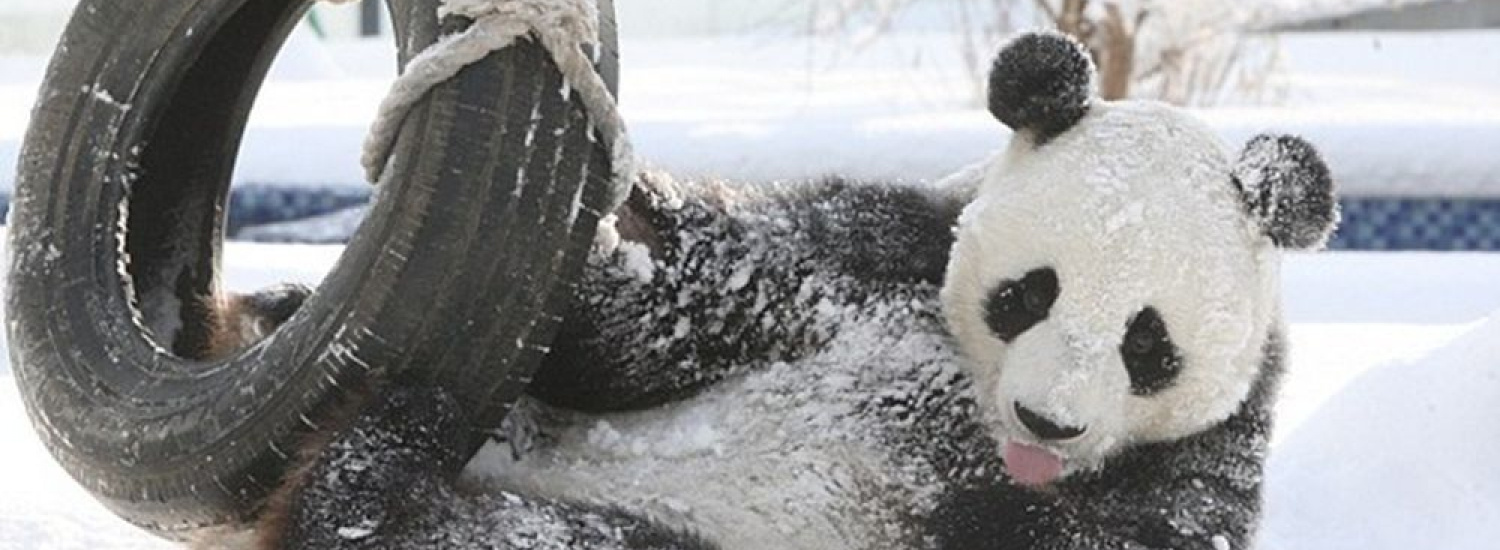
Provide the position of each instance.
(1019, 304)
(1150, 356)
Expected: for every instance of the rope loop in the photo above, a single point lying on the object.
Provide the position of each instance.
(562, 27)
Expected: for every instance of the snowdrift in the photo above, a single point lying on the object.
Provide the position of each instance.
(1405, 456)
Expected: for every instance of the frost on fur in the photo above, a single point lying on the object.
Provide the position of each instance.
(1114, 292)
(1287, 186)
(1041, 82)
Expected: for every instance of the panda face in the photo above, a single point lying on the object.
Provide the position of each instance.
(1107, 288)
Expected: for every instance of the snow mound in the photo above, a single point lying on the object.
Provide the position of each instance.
(1411, 449)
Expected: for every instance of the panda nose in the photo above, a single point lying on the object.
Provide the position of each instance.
(1043, 428)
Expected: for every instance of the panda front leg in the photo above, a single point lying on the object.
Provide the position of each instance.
(1000, 517)
(710, 279)
(385, 482)
(376, 482)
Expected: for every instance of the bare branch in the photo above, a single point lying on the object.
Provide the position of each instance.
(1047, 9)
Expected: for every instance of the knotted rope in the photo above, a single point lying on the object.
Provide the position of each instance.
(562, 27)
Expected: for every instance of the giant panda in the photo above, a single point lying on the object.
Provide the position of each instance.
(1076, 347)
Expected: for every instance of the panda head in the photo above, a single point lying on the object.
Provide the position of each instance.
(1115, 280)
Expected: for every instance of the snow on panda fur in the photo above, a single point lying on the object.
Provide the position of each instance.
(807, 367)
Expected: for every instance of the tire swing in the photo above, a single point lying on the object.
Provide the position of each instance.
(490, 198)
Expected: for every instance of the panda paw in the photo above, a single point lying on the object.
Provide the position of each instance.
(272, 306)
(995, 515)
(240, 320)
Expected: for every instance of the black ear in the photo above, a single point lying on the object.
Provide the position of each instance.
(1287, 188)
(1042, 82)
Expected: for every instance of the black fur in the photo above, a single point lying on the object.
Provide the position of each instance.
(1287, 186)
(1041, 82)
(1149, 354)
(1044, 427)
(732, 273)
(1015, 306)
(885, 233)
(360, 491)
(276, 304)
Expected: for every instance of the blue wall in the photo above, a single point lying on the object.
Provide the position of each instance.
(1369, 223)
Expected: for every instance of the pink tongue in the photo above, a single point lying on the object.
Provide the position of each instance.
(1030, 465)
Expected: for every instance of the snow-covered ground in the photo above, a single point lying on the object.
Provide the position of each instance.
(1386, 436)
(40, 506)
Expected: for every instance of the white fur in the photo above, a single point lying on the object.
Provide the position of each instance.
(1132, 207)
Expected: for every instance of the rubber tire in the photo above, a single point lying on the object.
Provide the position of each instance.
(455, 277)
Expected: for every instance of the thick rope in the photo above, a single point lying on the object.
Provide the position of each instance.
(561, 26)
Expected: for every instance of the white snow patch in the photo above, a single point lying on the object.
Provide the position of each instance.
(740, 277)
(636, 259)
(103, 95)
(680, 330)
(355, 533)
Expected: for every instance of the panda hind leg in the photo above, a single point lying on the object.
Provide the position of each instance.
(386, 482)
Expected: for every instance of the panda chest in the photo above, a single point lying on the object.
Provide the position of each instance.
(788, 455)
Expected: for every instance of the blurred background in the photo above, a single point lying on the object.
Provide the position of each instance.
(1387, 435)
(1403, 96)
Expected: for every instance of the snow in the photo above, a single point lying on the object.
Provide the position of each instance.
(638, 260)
(1421, 431)
(1385, 436)
(766, 106)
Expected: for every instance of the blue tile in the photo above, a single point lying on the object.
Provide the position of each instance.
(1369, 223)
(1382, 223)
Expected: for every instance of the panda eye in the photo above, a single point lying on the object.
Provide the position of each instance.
(1019, 304)
(1038, 299)
(1140, 342)
(1150, 357)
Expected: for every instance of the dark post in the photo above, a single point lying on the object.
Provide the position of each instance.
(369, 18)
